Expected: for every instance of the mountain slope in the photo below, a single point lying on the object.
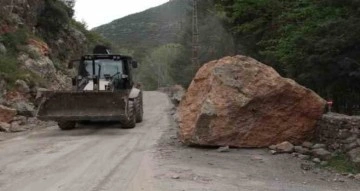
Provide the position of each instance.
(150, 28)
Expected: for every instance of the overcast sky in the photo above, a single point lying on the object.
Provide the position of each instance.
(98, 12)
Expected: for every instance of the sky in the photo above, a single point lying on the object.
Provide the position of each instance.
(98, 12)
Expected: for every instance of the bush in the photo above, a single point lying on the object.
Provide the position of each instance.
(53, 19)
(10, 71)
(8, 65)
(342, 164)
(12, 41)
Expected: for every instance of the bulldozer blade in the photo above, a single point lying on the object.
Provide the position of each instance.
(83, 106)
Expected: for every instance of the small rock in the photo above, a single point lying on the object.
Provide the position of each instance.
(344, 174)
(273, 152)
(316, 160)
(21, 119)
(321, 153)
(16, 127)
(304, 157)
(302, 150)
(5, 127)
(350, 139)
(295, 154)
(343, 134)
(338, 180)
(318, 146)
(272, 147)
(256, 158)
(324, 163)
(351, 146)
(24, 108)
(224, 149)
(173, 137)
(355, 156)
(307, 166)
(334, 146)
(357, 177)
(22, 87)
(307, 144)
(7, 114)
(32, 120)
(2, 48)
(351, 176)
(284, 147)
(175, 177)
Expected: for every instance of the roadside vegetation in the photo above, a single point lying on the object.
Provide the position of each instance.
(314, 42)
(53, 23)
(342, 164)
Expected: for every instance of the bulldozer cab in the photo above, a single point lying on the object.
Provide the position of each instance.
(105, 72)
(103, 90)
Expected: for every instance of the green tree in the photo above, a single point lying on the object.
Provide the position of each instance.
(155, 70)
(54, 17)
(313, 42)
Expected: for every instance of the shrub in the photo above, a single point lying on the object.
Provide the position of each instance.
(8, 64)
(12, 41)
(53, 19)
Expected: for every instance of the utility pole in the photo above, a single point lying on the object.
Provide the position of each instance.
(195, 37)
(11, 6)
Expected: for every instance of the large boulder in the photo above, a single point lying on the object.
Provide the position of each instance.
(6, 114)
(238, 101)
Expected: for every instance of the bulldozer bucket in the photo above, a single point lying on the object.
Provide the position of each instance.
(83, 106)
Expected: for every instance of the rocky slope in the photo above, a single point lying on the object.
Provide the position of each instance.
(37, 39)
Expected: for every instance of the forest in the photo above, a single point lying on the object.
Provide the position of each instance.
(315, 43)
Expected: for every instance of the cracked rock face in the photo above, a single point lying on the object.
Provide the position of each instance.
(238, 101)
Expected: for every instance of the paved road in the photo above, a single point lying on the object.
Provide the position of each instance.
(92, 157)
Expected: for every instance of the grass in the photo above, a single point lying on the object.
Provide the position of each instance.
(342, 164)
(11, 71)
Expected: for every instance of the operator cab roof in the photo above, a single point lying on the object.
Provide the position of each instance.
(104, 52)
(106, 56)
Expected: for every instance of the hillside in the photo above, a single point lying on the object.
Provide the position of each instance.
(153, 27)
(161, 39)
(37, 40)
